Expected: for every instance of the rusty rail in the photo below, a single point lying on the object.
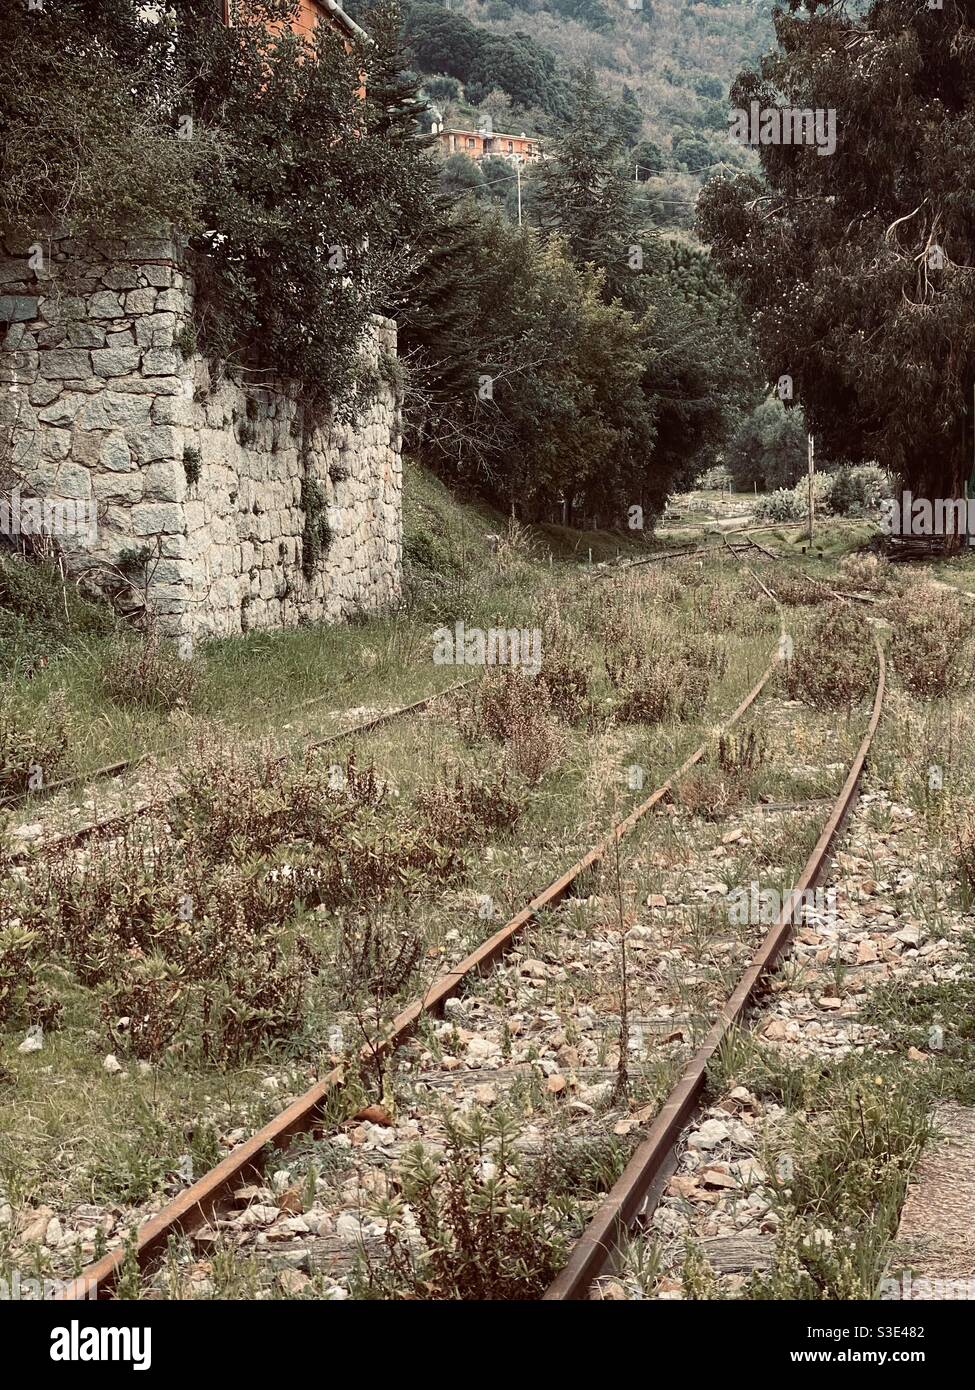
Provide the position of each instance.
(196, 1206)
(108, 825)
(641, 1184)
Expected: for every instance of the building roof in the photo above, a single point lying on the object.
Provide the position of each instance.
(489, 134)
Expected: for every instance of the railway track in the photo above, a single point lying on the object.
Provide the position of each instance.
(207, 1202)
(749, 545)
(642, 1183)
(108, 826)
(201, 1202)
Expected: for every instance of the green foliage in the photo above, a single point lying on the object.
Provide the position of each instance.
(446, 43)
(858, 490)
(565, 409)
(31, 740)
(591, 13)
(693, 153)
(769, 449)
(148, 674)
(295, 196)
(647, 159)
(613, 358)
(192, 461)
(833, 256)
(86, 145)
(38, 611)
(482, 1234)
(587, 195)
(185, 339)
(835, 665)
(441, 88)
(460, 175)
(785, 504)
(316, 535)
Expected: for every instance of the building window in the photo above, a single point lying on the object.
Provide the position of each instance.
(470, 142)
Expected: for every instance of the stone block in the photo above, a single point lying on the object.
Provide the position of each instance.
(85, 335)
(157, 518)
(155, 442)
(62, 308)
(164, 482)
(114, 453)
(67, 364)
(156, 331)
(121, 361)
(105, 304)
(161, 362)
(141, 301)
(17, 308)
(173, 410)
(159, 276)
(120, 277)
(152, 386)
(117, 487)
(114, 410)
(63, 411)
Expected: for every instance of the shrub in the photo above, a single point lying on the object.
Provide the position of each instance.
(782, 505)
(709, 794)
(673, 683)
(149, 674)
(30, 739)
(716, 479)
(38, 612)
(481, 1234)
(238, 804)
(834, 665)
(178, 950)
(931, 641)
(870, 572)
(377, 956)
(859, 490)
(965, 845)
(17, 961)
(514, 709)
(564, 677)
(467, 810)
(795, 589)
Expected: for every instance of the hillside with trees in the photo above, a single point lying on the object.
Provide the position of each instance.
(668, 66)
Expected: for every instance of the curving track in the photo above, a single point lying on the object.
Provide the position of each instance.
(643, 1179)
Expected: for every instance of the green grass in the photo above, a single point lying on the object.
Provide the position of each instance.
(52, 640)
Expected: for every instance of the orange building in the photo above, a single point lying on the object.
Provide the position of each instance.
(311, 13)
(479, 144)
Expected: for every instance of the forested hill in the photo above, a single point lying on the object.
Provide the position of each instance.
(670, 62)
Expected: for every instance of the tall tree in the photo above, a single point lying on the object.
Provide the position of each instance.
(587, 196)
(858, 266)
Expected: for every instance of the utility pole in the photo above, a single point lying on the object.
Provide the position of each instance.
(518, 172)
(812, 470)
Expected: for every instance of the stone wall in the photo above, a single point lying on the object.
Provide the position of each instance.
(104, 402)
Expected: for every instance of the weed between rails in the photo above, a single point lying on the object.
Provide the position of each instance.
(834, 666)
(467, 1227)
